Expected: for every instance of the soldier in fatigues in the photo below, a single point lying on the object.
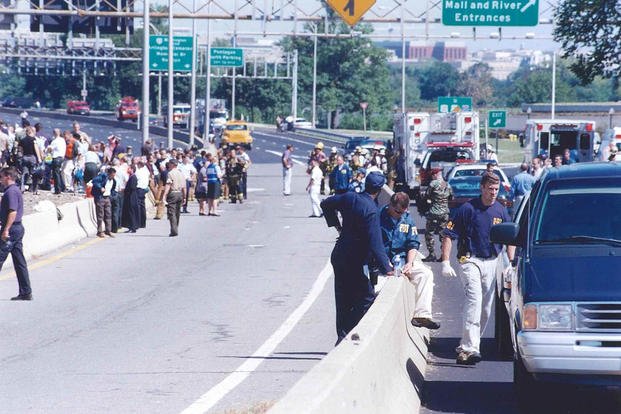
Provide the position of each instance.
(438, 194)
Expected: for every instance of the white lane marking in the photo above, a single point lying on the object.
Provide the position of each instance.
(280, 155)
(311, 144)
(254, 190)
(214, 395)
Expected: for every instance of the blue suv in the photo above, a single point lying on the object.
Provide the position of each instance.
(563, 296)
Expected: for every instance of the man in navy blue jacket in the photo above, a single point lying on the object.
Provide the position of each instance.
(360, 239)
(340, 176)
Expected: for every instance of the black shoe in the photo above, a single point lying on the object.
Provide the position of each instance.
(185, 211)
(430, 258)
(468, 358)
(173, 234)
(425, 323)
(22, 297)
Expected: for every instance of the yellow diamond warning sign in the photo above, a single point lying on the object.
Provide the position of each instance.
(351, 10)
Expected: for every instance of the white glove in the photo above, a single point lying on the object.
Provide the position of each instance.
(447, 270)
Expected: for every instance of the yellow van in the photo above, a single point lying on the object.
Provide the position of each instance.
(237, 132)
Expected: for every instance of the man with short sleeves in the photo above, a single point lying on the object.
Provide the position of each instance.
(174, 194)
(12, 231)
(360, 239)
(287, 170)
(143, 175)
(471, 224)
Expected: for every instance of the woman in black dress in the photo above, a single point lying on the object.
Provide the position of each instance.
(131, 209)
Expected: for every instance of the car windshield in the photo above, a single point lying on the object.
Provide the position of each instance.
(470, 172)
(236, 127)
(470, 186)
(584, 215)
(181, 110)
(451, 155)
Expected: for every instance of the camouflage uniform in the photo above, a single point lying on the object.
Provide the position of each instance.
(438, 193)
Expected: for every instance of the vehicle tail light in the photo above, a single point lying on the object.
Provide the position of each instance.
(539, 127)
(417, 134)
(468, 119)
(618, 136)
(589, 127)
(529, 317)
(417, 121)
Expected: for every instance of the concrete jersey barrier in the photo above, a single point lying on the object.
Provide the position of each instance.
(45, 233)
(378, 368)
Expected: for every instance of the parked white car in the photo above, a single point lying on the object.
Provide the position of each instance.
(302, 123)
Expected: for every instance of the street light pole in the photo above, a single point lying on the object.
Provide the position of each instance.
(528, 112)
(145, 72)
(171, 68)
(315, 78)
(553, 112)
(611, 113)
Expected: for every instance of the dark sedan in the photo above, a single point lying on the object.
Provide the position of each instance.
(468, 187)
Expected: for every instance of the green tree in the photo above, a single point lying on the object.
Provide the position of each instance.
(476, 82)
(437, 79)
(589, 32)
(350, 70)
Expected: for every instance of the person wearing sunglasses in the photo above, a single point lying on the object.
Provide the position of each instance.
(401, 242)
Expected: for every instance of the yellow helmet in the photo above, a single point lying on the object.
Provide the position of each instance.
(319, 145)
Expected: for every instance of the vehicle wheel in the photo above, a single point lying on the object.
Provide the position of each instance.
(526, 388)
(502, 329)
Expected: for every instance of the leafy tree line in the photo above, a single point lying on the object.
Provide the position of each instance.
(352, 69)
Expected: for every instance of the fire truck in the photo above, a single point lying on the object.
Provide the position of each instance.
(422, 138)
(127, 108)
(551, 137)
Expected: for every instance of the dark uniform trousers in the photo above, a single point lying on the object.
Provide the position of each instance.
(116, 202)
(174, 199)
(15, 247)
(353, 294)
(142, 208)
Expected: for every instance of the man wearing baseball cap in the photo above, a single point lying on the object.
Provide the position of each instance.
(360, 238)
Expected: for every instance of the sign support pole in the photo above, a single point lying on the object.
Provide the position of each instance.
(171, 69)
(208, 87)
(193, 79)
(486, 136)
(145, 72)
(234, 69)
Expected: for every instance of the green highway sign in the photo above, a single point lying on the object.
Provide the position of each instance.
(454, 104)
(227, 56)
(490, 12)
(497, 119)
(182, 53)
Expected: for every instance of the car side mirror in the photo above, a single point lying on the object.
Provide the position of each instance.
(505, 233)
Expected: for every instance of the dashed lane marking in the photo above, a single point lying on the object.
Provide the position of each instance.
(280, 155)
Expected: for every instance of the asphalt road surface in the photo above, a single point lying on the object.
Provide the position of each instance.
(147, 323)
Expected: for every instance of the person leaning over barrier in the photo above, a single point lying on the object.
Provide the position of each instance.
(401, 239)
(360, 238)
(471, 225)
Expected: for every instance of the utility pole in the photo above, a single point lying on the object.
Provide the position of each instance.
(193, 79)
(171, 69)
(145, 72)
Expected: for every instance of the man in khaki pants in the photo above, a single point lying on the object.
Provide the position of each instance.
(174, 194)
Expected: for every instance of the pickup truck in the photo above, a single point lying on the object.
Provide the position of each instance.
(562, 316)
